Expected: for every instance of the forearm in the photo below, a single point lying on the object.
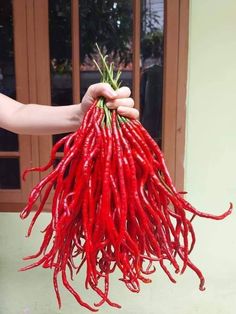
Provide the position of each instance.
(38, 119)
(41, 120)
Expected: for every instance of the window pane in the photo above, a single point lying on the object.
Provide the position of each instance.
(60, 53)
(8, 140)
(110, 25)
(152, 67)
(9, 173)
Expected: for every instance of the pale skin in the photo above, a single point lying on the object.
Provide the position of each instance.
(33, 119)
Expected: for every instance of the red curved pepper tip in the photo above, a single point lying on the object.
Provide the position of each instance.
(92, 309)
(228, 212)
(118, 306)
(100, 303)
(24, 174)
(201, 286)
(193, 216)
(26, 258)
(183, 192)
(23, 214)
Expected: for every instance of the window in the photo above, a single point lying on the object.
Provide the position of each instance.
(15, 151)
(53, 42)
(9, 144)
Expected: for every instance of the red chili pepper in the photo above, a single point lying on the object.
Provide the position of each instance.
(114, 207)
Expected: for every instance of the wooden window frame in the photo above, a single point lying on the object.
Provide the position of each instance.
(33, 80)
(14, 199)
(175, 83)
(176, 26)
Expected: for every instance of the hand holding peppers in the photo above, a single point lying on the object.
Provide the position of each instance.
(41, 119)
(114, 205)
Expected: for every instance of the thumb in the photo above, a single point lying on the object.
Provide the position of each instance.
(101, 89)
(94, 92)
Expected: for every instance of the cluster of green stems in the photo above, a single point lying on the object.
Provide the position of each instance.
(108, 76)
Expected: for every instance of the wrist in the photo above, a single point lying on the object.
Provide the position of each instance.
(75, 116)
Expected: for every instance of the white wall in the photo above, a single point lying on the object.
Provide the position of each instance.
(210, 176)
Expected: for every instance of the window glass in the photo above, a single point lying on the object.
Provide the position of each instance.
(60, 54)
(151, 88)
(8, 140)
(110, 25)
(9, 167)
(9, 173)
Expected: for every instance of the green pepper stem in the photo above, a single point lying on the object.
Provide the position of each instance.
(107, 76)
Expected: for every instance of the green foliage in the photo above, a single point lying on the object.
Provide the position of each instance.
(105, 22)
(152, 45)
(108, 23)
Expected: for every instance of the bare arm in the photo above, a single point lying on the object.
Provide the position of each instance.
(37, 119)
(40, 119)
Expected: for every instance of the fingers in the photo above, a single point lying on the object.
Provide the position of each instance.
(94, 92)
(105, 90)
(127, 102)
(128, 112)
(119, 99)
(101, 89)
(124, 104)
(123, 92)
(122, 99)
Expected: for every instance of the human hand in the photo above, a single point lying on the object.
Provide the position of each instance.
(119, 99)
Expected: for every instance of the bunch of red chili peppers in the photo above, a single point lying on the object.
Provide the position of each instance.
(114, 207)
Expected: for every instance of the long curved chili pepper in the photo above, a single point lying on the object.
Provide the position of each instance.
(114, 208)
